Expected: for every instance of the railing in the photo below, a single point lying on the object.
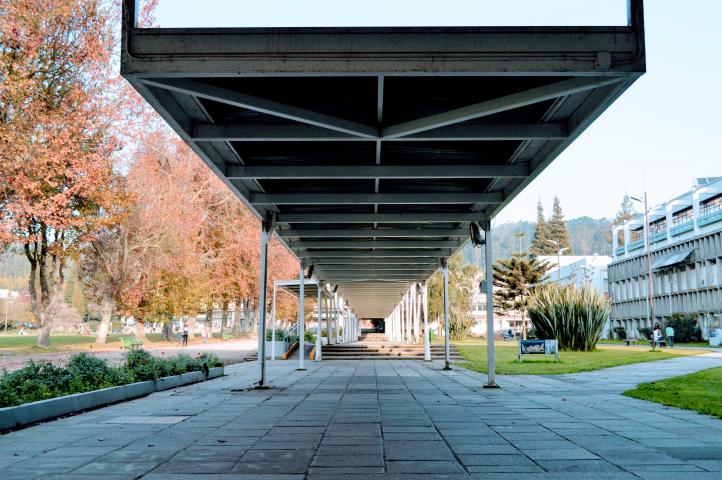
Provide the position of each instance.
(709, 215)
(620, 250)
(635, 244)
(658, 237)
(682, 227)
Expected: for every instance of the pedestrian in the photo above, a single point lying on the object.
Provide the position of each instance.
(184, 335)
(656, 334)
(205, 334)
(670, 335)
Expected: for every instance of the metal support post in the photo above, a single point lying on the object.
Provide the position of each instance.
(408, 317)
(273, 325)
(490, 354)
(427, 340)
(327, 307)
(301, 318)
(319, 340)
(336, 313)
(266, 231)
(447, 346)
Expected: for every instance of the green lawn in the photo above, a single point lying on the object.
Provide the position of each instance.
(474, 352)
(57, 341)
(701, 392)
(639, 342)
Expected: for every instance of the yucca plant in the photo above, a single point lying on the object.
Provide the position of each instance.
(575, 317)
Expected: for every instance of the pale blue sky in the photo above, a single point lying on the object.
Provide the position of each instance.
(667, 125)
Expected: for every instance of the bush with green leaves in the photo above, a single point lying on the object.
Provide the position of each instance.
(645, 332)
(280, 335)
(620, 333)
(685, 327)
(84, 373)
(575, 317)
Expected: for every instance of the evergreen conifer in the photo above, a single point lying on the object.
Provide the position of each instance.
(557, 230)
(540, 244)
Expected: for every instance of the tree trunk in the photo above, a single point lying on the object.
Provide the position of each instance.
(167, 331)
(106, 315)
(209, 318)
(139, 329)
(523, 325)
(237, 317)
(246, 317)
(224, 315)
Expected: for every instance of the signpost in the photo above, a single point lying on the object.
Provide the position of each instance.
(538, 347)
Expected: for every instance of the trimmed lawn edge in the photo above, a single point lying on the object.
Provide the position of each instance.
(683, 392)
(33, 412)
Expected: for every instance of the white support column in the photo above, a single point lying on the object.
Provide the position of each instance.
(273, 325)
(447, 345)
(427, 340)
(319, 331)
(490, 354)
(337, 318)
(409, 338)
(266, 230)
(301, 319)
(327, 305)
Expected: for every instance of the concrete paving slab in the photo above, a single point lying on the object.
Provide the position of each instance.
(396, 420)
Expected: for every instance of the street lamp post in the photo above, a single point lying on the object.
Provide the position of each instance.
(650, 284)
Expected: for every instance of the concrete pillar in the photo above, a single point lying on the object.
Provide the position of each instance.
(273, 325)
(447, 345)
(491, 358)
(409, 320)
(319, 331)
(425, 313)
(327, 305)
(301, 318)
(266, 231)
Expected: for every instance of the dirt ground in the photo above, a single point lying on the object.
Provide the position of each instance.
(229, 352)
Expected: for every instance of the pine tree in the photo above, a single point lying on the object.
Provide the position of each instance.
(540, 244)
(514, 280)
(626, 212)
(558, 230)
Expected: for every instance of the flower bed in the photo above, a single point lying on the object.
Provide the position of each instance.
(86, 373)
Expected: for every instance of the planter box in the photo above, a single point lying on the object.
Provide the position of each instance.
(33, 412)
(167, 383)
(12, 417)
(281, 347)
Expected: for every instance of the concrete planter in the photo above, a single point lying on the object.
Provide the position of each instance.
(12, 417)
(281, 347)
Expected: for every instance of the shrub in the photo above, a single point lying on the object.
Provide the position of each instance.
(460, 325)
(575, 317)
(620, 333)
(309, 336)
(645, 332)
(94, 373)
(685, 328)
(280, 335)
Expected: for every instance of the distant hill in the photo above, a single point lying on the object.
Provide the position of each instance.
(588, 236)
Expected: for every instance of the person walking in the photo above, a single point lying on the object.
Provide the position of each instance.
(205, 334)
(184, 335)
(670, 335)
(656, 335)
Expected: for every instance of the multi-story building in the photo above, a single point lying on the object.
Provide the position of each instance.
(685, 236)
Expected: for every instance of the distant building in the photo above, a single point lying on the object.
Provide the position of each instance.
(579, 270)
(685, 235)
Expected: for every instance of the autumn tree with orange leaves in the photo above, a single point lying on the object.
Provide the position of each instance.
(56, 141)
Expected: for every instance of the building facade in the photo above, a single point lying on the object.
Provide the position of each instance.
(685, 236)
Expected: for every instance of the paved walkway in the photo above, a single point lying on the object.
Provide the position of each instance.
(381, 419)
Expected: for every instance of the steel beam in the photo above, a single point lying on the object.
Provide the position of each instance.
(498, 105)
(374, 261)
(383, 233)
(374, 198)
(347, 218)
(209, 132)
(385, 244)
(373, 254)
(262, 105)
(285, 172)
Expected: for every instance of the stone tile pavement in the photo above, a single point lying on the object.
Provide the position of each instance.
(381, 419)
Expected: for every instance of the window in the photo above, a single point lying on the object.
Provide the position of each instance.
(658, 226)
(637, 234)
(711, 205)
(682, 217)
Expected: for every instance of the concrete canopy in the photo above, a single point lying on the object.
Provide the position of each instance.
(372, 149)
